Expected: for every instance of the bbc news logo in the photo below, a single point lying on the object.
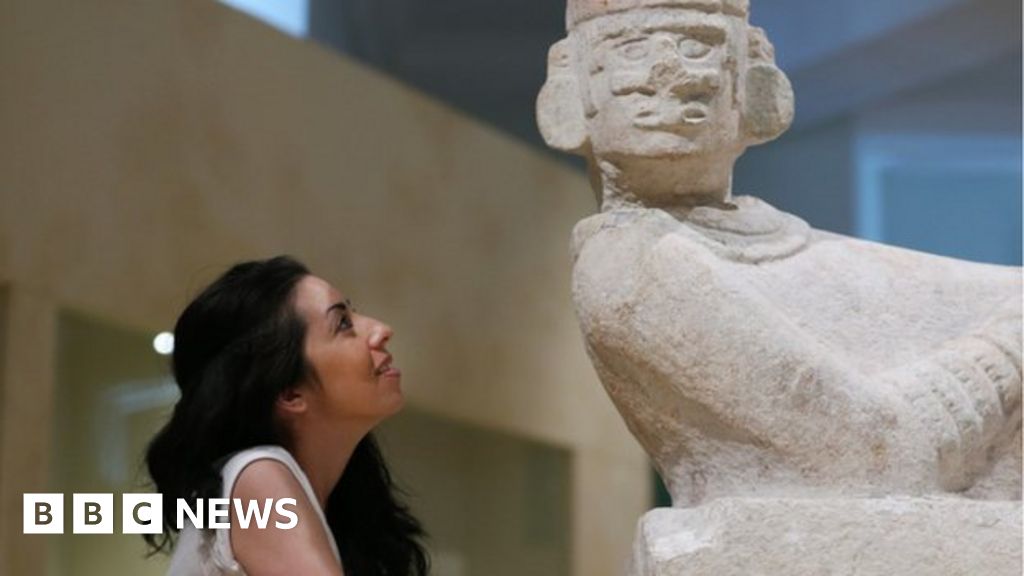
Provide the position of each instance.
(143, 513)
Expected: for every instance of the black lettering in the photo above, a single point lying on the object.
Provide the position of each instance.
(92, 514)
(135, 514)
(43, 510)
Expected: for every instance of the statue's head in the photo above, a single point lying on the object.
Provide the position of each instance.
(662, 79)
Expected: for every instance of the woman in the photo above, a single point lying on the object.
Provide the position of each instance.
(281, 382)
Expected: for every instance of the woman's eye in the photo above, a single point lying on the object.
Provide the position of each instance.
(344, 323)
(694, 49)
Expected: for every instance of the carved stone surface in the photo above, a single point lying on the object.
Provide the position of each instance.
(801, 363)
(751, 355)
(880, 537)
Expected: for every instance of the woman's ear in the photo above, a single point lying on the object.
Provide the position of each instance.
(560, 115)
(292, 401)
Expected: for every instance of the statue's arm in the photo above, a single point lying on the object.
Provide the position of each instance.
(969, 390)
(662, 304)
(673, 307)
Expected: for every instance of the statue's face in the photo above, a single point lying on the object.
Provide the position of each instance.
(662, 82)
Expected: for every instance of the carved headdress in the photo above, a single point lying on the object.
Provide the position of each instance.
(581, 10)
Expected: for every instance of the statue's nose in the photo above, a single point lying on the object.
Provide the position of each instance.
(696, 85)
(665, 62)
(686, 81)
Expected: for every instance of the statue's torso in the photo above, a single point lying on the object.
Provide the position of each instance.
(687, 302)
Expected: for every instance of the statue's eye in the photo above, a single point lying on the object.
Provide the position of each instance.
(693, 49)
(634, 49)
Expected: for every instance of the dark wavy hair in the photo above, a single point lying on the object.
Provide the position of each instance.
(237, 346)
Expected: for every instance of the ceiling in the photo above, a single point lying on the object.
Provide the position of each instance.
(488, 57)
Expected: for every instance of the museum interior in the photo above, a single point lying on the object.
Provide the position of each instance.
(392, 146)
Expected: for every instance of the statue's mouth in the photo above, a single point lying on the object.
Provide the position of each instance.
(688, 115)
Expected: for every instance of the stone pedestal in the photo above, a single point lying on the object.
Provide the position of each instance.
(879, 537)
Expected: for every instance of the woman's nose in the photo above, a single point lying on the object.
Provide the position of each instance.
(380, 335)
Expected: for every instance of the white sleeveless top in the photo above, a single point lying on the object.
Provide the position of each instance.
(208, 552)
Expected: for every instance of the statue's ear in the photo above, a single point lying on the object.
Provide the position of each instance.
(768, 110)
(560, 115)
(768, 103)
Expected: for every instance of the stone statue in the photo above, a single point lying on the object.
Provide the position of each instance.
(754, 357)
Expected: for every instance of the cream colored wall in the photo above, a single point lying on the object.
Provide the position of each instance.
(144, 146)
(26, 383)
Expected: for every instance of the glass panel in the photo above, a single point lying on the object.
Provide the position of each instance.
(661, 497)
(493, 504)
(288, 16)
(112, 396)
(971, 214)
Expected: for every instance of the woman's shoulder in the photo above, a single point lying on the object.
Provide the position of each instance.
(236, 462)
(267, 472)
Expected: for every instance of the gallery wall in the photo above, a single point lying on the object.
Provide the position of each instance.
(145, 146)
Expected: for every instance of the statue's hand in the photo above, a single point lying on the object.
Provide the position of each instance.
(967, 394)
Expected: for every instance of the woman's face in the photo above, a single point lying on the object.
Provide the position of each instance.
(357, 381)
